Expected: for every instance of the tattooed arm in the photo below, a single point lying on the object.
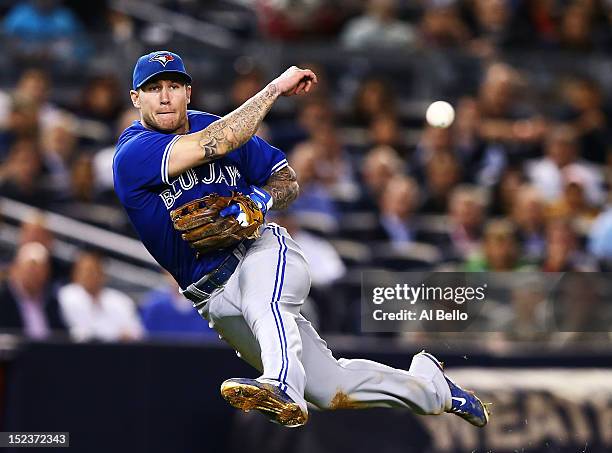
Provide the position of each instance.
(236, 128)
(283, 187)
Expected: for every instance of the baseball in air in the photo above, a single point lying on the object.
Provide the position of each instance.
(440, 114)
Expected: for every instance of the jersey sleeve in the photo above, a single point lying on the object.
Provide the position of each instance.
(260, 160)
(142, 161)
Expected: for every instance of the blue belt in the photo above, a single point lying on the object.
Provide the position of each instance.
(202, 290)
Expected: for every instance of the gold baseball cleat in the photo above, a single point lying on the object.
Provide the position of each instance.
(274, 403)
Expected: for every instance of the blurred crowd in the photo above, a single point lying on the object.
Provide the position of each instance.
(512, 185)
(60, 31)
(483, 27)
(42, 297)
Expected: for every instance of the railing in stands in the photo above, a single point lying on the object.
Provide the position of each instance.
(201, 31)
(61, 226)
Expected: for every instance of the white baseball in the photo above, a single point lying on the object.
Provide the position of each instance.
(440, 114)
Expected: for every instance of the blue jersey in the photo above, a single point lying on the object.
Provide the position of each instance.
(140, 168)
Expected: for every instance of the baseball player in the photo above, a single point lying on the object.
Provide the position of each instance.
(197, 187)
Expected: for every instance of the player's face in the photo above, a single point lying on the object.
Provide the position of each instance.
(163, 104)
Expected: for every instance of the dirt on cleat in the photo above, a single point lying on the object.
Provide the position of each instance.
(264, 398)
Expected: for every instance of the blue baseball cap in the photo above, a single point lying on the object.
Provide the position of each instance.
(155, 63)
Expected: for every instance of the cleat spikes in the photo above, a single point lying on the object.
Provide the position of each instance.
(248, 394)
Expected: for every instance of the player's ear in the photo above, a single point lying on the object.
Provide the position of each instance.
(188, 90)
(135, 98)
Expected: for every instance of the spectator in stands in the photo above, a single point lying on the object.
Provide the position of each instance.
(466, 139)
(34, 228)
(94, 311)
(500, 249)
(312, 113)
(576, 28)
(44, 30)
(374, 97)
(508, 127)
(84, 200)
(82, 180)
(314, 195)
(315, 111)
(460, 141)
(442, 26)
(442, 174)
(399, 203)
(165, 312)
(22, 123)
(562, 161)
(504, 192)
(26, 109)
(563, 253)
(32, 89)
(20, 175)
(573, 204)
(100, 106)
(466, 209)
(27, 305)
(333, 167)
(378, 27)
(122, 27)
(495, 27)
(434, 142)
(378, 167)
(583, 108)
(58, 144)
(386, 130)
(528, 214)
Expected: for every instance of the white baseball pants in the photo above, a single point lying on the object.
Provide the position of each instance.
(258, 314)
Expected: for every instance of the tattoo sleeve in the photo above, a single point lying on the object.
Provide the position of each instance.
(283, 187)
(237, 127)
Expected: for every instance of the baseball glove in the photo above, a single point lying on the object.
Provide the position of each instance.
(205, 230)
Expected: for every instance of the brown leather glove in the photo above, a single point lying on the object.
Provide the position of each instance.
(205, 230)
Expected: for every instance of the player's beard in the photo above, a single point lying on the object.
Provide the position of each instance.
(177, 126)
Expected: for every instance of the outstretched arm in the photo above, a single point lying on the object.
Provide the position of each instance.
(283, 187)
(237, 127)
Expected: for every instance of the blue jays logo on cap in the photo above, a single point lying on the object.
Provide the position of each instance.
(162, 58)
(155, 63)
